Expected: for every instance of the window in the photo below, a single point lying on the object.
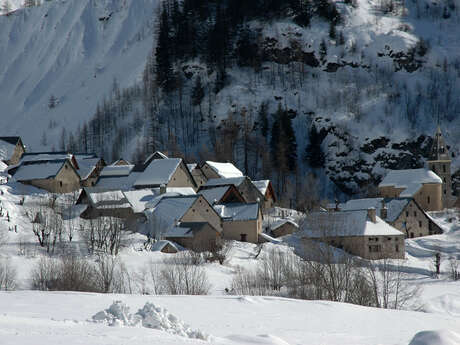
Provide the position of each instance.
(420, 235)
(445, 192)
(428, 199)
(397, 248)
(388, 238)
(243, 237)
(412, 235)
(444, 169)
(60, 183)
(415, 213)
(419, 223)
(375, 249)
(407, 213)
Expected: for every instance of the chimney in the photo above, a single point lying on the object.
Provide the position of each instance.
(383, 210)
(371, 214)
(162, 188)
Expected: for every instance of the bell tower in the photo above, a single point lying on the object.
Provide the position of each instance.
(439, 162)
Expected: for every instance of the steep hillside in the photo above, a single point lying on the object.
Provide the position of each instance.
(72, 50)
(341, 89)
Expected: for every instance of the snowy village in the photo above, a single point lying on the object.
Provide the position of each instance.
(230, 172)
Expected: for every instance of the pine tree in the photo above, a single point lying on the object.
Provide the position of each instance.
(262, 120)
(164, 70)
(314, 154)
(198, 94)
(322, 50)
(332, 32)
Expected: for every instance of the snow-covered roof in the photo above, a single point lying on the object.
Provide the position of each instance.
(38, 170)
(158, 172)
(238, 211)
(225, 170)
(261, 185)
(6, 149)
(346, 224)
(394, 206)
(3, 166)
(410, 179)
(279, 222)
(45, 156)
(176, 190)
(186, 229)
(139, 198)
(170, 209)
(214, 194)
(116, 170)
(191, 166)
(179, 231)
(86, 166)
(107, 199)
(159, 245)
(122, 182)
(236, 181)
(154, 156)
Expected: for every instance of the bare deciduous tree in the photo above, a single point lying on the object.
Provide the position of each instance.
(7, 275)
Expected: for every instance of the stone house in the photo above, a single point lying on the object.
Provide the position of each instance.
(166, 216)
(11, 150)
(89, 168)
(423, 185)
(241, 222)
(197, 173)
(153, 156)
(120, 161)
(402, 213)
(199, 236)
(213, 170)
(164, 247)
(247, 189)
(103, 203)
(222, 195)
(283, 227)
(120, 177)
(56, 176)
(170, 172)
(359, 232)
(265, 188)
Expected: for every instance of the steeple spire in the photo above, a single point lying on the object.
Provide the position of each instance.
(439, 150)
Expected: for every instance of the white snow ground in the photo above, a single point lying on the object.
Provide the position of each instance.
(32, 317)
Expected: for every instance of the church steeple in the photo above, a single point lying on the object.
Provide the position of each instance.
(439, 162)
(439, 150)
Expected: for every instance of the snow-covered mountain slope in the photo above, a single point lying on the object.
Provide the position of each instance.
(73, 50)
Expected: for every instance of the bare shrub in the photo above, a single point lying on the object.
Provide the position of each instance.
(45, 275)
(7, 275)
(105, 234)
(390, 286)
(181, 277)
(106, 272)
(454, 268)
(67, 274)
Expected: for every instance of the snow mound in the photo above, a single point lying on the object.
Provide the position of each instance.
(436, 338)
(149, 316)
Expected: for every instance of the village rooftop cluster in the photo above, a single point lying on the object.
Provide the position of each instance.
(196, 206)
